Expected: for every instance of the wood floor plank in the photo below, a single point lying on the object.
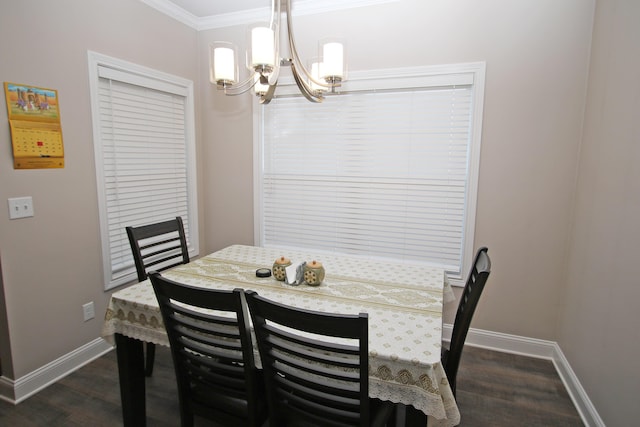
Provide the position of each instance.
(494, 389)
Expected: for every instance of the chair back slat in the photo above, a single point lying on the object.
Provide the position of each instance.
(158, 246)
(315, 364)
(212, 352)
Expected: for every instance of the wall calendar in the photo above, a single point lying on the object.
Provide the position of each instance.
(36, 134)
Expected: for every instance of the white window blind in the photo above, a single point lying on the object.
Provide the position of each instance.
(380, 174)
(144, 166)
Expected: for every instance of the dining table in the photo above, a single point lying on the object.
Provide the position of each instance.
(404, 301)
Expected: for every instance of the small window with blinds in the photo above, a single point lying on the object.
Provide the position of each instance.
(387, 169)
(144, 149)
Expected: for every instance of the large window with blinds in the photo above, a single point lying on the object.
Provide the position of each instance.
(388, 169)
(145, 156)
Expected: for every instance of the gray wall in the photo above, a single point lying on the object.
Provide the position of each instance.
(545, 208)
(599, 322)
(52, 263)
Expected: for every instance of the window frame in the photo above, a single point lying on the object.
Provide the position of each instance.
(157, 80)
(389, 80)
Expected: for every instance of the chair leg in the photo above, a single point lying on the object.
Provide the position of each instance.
(400, 416)
(414, 417)
(151, 355)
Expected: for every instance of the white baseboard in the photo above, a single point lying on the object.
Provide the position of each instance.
(585, 408)
(28, 385)
(540, 349)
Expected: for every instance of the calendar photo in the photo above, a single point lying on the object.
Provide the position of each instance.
(31, 103)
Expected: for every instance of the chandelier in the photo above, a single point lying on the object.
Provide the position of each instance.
(264, 62)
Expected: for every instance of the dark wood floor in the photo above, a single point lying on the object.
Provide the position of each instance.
(494, 389)
(500, 389)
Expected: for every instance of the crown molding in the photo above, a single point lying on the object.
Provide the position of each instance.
(170, 9)
(301, 7)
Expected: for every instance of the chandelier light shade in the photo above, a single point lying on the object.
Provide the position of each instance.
(222, 66)
(316, 72)
(263, 49)
(263, 61)
(332, 60)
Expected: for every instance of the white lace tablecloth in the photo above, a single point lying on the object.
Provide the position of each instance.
(404, 303)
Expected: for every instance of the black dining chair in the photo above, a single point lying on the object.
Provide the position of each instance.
(312, 376)
(212, 353)
(468, 301)
(157, 247)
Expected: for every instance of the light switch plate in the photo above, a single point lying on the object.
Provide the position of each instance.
(20, 207)
(88, 311)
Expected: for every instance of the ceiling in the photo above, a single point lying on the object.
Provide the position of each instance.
(207, 14)
(204, 8)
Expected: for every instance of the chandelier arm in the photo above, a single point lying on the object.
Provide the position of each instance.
(275, 24)
(240, 88)
(268, 96)
(304, 89)
(273, 11)
(294, 52)
(292, 42)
